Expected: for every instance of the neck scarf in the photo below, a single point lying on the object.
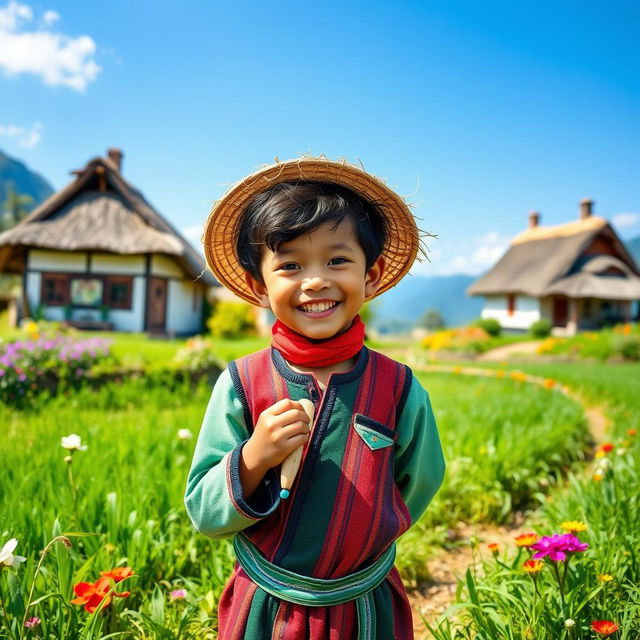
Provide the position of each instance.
(300, 350)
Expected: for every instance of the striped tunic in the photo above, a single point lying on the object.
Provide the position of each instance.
(369, 470)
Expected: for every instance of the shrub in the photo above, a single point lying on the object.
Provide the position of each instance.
(490, 325)
(628, 347)
(231, 320)
(540, 328)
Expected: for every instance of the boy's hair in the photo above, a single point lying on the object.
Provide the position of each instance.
(290, 209)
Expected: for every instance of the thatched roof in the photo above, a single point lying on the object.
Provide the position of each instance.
(549, 260)
(99, 211)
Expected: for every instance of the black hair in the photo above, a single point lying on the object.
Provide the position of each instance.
(290, 209)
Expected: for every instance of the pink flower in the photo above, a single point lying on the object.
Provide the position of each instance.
(32, 622)
(178, 594)
(557, 546)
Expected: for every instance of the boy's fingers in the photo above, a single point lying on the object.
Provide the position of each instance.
(285, 404)
(292, 430)
(289, 417)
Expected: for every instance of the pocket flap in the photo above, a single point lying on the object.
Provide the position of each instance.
(372, 433)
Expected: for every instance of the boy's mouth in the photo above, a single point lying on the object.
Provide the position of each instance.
(318, 307)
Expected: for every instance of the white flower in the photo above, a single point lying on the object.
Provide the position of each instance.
(73, 442)
(7, 558)
(569, 623)
(184, 434)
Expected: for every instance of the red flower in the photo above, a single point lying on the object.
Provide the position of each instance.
(91, 595)
(604, 628)
(118, 574)
(607, 447)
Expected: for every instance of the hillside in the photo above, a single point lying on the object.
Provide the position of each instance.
(633, 247)
(401, 306)
(16, 174)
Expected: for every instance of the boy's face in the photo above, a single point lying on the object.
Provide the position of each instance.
(316, 283)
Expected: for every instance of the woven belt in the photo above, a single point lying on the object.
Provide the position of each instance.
(316, 592)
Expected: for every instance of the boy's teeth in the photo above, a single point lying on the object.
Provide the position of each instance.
(317, 307)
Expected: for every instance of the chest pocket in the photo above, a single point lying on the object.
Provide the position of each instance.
(374, 434)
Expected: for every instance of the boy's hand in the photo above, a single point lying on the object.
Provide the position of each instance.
(280, 429)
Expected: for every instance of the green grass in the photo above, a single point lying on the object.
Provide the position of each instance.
(506, 444)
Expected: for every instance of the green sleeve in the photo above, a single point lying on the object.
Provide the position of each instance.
(214, 498)
(419, 462)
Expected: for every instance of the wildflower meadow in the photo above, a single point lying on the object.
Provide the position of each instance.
(95, 542)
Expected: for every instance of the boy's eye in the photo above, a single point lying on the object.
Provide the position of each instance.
(335, 261)
(288, 266)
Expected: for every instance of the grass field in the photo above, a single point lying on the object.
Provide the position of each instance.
(507, 445)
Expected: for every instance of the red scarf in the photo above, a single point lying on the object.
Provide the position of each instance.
(300, 350)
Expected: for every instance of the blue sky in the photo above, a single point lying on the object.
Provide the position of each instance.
(477, 112)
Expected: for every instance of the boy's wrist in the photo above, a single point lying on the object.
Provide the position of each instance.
(251, 460)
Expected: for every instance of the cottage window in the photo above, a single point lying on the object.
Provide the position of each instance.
(119, 292)
(55, 289)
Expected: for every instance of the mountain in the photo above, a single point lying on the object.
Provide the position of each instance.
(400, 307)
(633, 247)
(15, 174)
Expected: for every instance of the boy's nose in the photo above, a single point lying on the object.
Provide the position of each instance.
(314, 283)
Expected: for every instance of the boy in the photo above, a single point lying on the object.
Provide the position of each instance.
(312, 240)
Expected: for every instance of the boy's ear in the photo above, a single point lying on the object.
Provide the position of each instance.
(258, 289)
(373, 278)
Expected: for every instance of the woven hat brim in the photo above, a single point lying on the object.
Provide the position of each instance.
(220, 233)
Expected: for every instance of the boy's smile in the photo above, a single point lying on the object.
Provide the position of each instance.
(316, 283)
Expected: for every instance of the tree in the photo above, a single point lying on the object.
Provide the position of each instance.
(431, 320)
(14, 209)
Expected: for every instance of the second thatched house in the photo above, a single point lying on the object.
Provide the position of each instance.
(98, 255)
(577, 275)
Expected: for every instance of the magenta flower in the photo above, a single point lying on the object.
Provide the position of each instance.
(557, 546)
(178, 594)
(32, 622)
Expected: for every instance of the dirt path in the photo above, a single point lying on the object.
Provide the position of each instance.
(504, 353)
(447, 567)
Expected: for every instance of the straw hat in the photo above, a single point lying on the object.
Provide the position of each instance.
(219, 239)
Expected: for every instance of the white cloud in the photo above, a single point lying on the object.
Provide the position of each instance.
(59, 59)
(50, 16)
(622, 220)
(471, 258)
(26, 138)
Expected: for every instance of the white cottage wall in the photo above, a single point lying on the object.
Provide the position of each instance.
(525, 313)
(165, 266)
(116, 264)
(182, 318)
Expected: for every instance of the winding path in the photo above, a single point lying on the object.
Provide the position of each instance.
(447, 567)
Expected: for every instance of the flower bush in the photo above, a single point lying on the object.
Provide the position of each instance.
(467, 339)
(42, 362)
(197, 354)
(620, 342)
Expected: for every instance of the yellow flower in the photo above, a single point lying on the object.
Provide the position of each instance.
(597, 477)
(457, 369)
(605, 577)
(526, 539)
(549, 383)
(532, 566)
(109, 548)
(600, 454)
(31, 327)
(573, 526)
(518, 375)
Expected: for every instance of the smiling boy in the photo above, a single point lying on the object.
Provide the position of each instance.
(313, 240)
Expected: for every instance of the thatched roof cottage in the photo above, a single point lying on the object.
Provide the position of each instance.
(578, 275)
(98, 254)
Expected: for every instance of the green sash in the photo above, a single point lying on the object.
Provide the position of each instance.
(316, 592)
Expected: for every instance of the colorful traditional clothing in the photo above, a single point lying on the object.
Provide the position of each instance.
(369, 470)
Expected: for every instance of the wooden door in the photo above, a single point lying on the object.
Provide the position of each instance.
(560, 311)
(157, 304)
